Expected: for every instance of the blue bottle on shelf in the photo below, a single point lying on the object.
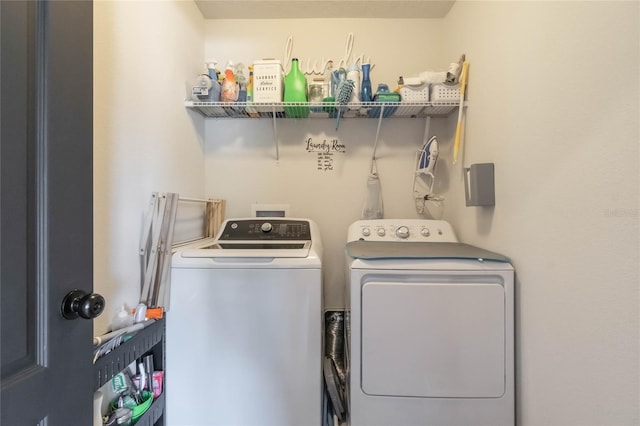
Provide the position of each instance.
(214, 92)
(366, 94)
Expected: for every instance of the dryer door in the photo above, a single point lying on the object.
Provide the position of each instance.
(434, 339)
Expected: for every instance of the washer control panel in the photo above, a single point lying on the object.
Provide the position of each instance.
(265, 229)
(416, 230)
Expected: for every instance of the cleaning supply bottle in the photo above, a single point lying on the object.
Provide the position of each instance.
(331, 90)
(400, 84)
(242, 83)
(295, 90)
(366, 94)
(328, 77)
(353, 74)
(250, 85)
(205, 87)
(229, 91)
(123, 318)
(201, 88)
(214, 92)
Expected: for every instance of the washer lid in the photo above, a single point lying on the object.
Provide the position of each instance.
(252, 249)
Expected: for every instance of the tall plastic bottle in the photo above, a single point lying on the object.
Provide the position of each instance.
(366, 94)
(328, 75)
(229, 90)
(242, 83)
(353, 74)
(295, 90)
(123, 318)
(250, 85)
(214, 93)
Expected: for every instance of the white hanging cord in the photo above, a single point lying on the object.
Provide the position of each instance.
(427, 127)
(375, 145)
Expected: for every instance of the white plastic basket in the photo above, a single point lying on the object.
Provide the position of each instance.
(415, 93)
(444, 93)
(267, 81)
(412, 94)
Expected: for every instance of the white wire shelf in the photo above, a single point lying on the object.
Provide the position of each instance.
(300, 110)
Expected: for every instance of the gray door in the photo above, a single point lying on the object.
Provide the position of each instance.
(46, 211)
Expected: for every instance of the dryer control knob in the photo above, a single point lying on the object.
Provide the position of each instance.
(266, 227)
(402, 232)
(366, 232)
(425, 232)
(381, 232)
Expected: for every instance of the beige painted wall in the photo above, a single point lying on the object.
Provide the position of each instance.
(144, 141)
(554, 93)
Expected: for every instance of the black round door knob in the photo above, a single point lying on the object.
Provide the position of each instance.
(80, 304)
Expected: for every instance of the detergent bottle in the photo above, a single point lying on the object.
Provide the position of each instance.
(205, 87)
(214, 92)
(229, 91)
(295, 90)
(241, 79)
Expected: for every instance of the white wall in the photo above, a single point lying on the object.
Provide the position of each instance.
(554, 92)
(144, 140)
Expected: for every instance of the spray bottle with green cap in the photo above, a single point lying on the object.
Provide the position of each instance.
(242, 82)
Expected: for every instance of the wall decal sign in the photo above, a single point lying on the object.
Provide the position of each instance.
(325, 151)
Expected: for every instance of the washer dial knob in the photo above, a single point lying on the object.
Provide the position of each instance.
(266, 227)
(381, 232)
(402, 232)
(366, 232)
(425, 232)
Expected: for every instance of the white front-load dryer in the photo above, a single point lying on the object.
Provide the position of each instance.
(431, 332)
(244, 329)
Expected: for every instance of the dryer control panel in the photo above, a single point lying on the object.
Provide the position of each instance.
(415, 230)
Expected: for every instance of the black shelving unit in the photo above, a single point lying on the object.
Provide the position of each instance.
(148, 341)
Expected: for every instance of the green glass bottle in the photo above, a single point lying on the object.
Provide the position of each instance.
(295, 90)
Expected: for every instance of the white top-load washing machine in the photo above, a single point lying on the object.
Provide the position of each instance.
(431, 333)
(244, 330)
